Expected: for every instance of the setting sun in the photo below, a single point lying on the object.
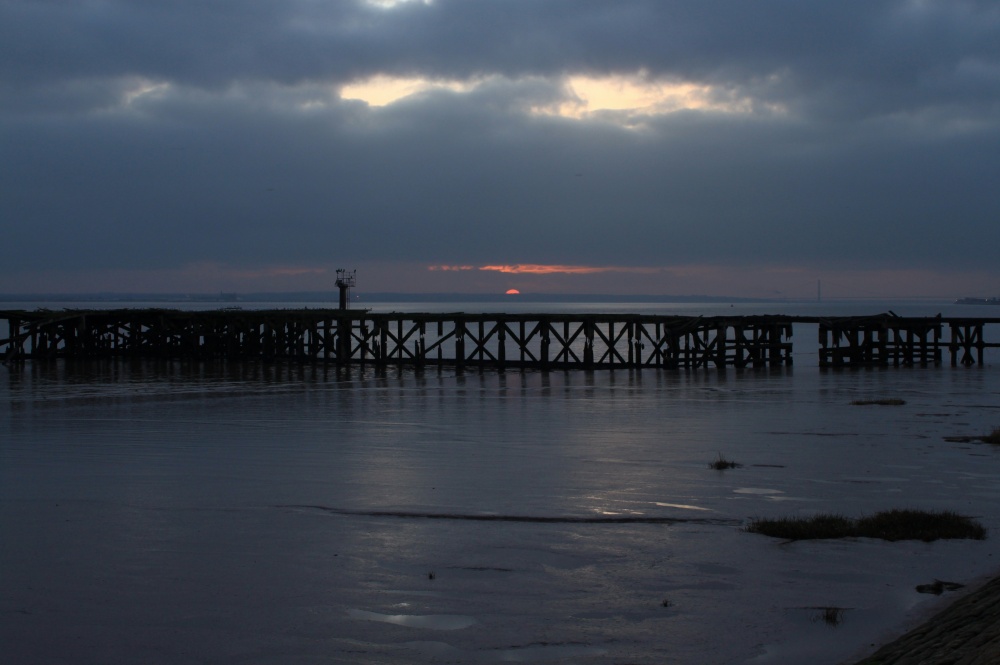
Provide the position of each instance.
(512, 292)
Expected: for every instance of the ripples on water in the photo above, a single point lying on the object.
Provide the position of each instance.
(281, 511)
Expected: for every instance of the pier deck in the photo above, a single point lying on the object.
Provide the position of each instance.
(543, 341)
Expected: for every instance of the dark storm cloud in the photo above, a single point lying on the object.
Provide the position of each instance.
(895, 52)
(152, 134)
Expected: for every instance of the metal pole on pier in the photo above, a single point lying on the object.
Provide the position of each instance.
(345, 281)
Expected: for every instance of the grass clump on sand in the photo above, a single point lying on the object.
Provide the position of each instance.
(880, 401)
(887, 525)
(722, 463)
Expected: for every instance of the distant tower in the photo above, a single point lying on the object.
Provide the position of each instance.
(345, 280)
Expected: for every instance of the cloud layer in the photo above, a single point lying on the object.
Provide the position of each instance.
(809, 136)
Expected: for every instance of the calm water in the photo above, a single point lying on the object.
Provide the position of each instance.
(251, 513)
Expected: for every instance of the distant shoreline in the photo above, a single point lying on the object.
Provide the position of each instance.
(364, 297)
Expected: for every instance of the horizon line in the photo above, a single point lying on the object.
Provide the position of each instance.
(236, 296)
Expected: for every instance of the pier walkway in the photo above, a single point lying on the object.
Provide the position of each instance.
(543, 341)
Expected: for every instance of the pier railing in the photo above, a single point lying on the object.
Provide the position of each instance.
(545, 341)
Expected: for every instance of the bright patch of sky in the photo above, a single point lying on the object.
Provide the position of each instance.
(384, 90)
(391, 4)
(583, 95)
(143, 88)
(127, 93)
(639, 93)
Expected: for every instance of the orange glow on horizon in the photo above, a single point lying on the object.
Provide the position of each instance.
(541, 269)
(512, 292)
(545, 269)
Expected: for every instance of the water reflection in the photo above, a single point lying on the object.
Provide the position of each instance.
(148, 491)
(429, 621)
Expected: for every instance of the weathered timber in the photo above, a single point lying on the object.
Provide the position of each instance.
(546, 341)
(888, 339)
(543, 341)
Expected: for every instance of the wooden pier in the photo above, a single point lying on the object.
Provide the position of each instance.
(542, 341)
(895, 340)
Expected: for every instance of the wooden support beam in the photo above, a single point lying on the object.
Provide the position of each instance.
(587, 341)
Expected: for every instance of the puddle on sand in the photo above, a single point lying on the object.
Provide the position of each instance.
(768, 494)
(519, 654)
(679, 505)
(429, 621)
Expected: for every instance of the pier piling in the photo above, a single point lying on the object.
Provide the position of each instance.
(541, 341)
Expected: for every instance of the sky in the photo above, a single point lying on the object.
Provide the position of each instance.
(731, 147)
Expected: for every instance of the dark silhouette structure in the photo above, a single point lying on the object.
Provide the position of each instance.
(541, 341)
(345, 282)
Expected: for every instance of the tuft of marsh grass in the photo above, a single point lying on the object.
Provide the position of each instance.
(880, 401)
(722, 463)
(809, 528)
(889, 525)
(992, 437)
(920, 525)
